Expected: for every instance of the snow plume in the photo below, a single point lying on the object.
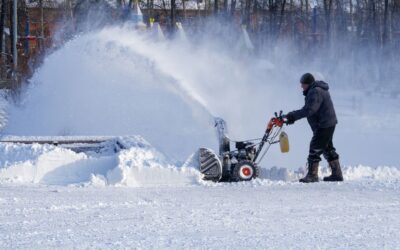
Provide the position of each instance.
(120, 81)
(97, 85)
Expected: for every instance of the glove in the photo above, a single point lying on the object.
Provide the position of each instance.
(289, 119)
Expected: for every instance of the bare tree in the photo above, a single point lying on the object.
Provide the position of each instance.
(328, 11)
(385, 23)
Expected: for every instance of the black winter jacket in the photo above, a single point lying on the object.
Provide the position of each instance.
(318, 108)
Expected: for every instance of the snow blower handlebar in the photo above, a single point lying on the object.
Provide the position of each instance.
(276, 121)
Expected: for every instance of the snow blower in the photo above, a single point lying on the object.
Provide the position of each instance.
(241, 164)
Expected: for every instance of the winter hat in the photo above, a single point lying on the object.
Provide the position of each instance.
(307, 78)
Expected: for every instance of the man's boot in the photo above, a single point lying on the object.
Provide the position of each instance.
(312, 175)
(336, 172)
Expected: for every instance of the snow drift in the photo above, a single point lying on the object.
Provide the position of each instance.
(137, 165)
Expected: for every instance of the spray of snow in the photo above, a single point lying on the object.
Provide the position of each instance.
(118, 81)
(98, 86)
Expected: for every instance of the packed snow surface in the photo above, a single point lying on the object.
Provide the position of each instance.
(54, 198)
(256, 215)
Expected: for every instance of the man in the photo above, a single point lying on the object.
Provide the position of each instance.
(321, 116)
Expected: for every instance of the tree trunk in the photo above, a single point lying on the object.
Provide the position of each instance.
(307, 7)
(360, 20)
(2, 19)
(281, 18)
(385, 24)
(41, 40)
(301, 6)
(148, 5)
(372, 22)
(233, 8)
(184, 9)
(314, 25)
(225, 6)
(12, 38)
(292, 28)
(247, 8)
(173, 15)
(351, 15)
(328, 10)
(273, 8)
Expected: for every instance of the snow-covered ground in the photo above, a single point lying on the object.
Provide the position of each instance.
(52, 197)
(257, 215)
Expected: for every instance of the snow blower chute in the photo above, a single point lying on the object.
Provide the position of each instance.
(241, 164)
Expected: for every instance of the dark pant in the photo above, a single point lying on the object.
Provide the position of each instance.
(321, 143)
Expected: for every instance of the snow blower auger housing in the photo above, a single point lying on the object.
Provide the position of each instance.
(241, 164)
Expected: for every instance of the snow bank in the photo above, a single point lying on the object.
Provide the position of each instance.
(381, 173)
(141, 165)
(138, 165)
(350, 173)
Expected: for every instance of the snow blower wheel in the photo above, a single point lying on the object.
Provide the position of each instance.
(210, 165)
(245, 171)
